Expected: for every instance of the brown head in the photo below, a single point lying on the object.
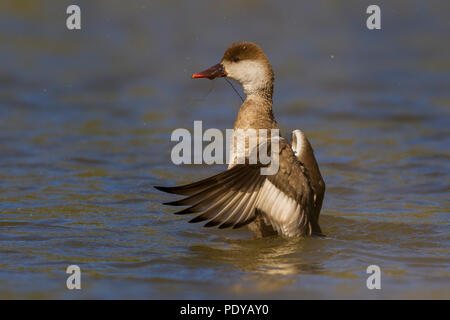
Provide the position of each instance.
(247, 64)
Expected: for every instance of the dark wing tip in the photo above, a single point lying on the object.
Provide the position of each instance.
(198, 219)
(185, 211)
(226, 225)
(163, 189)
(244, 223)
(174, 203)
(172, 190)
(211, 223)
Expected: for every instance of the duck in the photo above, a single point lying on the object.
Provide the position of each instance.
(286, 203)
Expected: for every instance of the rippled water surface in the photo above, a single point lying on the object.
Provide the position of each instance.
(85, 124)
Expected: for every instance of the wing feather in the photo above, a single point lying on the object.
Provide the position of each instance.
(199, 186)
(236, 196)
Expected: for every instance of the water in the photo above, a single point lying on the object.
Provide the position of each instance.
(85, 124)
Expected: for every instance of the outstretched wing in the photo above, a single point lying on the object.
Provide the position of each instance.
(227, 199)
(234, 197)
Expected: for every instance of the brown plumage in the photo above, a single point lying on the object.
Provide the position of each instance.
(305, 154)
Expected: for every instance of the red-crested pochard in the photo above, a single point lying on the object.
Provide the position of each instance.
(287, 203)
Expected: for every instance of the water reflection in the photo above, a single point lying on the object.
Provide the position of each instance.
(273, 256)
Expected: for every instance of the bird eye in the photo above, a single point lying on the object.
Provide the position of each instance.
(236, 59)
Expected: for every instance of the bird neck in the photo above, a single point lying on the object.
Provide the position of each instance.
(255, 112)
(261, 88)
(265, 93)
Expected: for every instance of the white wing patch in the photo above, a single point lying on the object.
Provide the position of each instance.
(280, 211)
(297, 141)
